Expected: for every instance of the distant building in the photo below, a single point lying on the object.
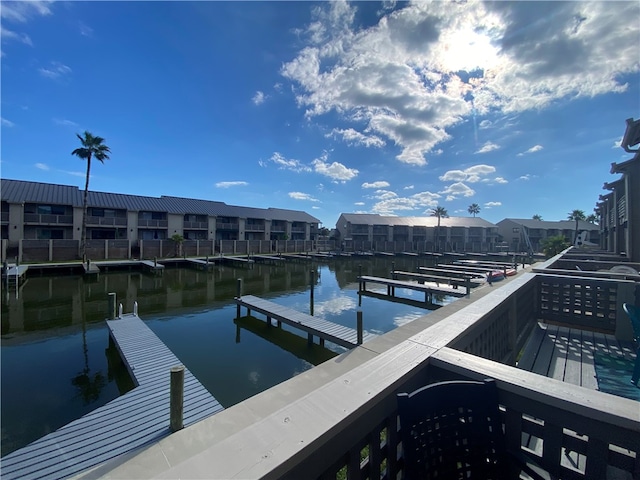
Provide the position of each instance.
(619, 210)
(524, 234)
(363, 231)
(43, 211)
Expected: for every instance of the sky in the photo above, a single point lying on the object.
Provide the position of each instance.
(326, 107)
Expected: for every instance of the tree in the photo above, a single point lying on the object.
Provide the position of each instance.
(177, 241)
(552, 246)
(592, 218)
(92, 147)
(537, 217)
(439, 212)
(576, 215)
(474, 209)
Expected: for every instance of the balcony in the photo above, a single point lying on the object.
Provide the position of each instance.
(340, 420)
(227, 226)
(4, 217)
(298, 230)
(152, 223)
(45, 219)
(107, 221)
(187, 225)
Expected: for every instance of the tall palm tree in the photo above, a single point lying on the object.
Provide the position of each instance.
(592, 218)
(92, 147)
(439, 212)
(474, 209)
(576, 215)
(537, 217)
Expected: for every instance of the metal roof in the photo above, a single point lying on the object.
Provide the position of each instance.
(18, 191)
(375, 219)
(546, 225)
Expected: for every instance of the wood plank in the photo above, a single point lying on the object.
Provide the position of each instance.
(573, 367)
(559, 355)
(127, 422)
(329, 331)
(588, 378)
(543, 360)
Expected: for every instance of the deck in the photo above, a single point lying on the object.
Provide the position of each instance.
(588, 359)
(449, 280)
(200, 264)
(428, 290)
(130, 421)
(313, 326)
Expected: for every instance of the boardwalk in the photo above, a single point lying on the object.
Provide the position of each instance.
(137, 418)
(429, 290)
(313, 326)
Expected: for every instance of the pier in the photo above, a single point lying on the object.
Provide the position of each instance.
(126, 423)
(391, 284)
(313, 326)
(437, 279)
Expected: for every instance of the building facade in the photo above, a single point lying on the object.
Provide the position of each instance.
(42, 211)
(360, 231)
(525, 234)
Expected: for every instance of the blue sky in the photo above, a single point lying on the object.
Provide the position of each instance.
(328, 107)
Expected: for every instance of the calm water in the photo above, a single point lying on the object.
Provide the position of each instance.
(56, 364)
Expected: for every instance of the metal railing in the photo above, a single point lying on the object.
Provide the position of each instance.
(47, 219)
(107, 221)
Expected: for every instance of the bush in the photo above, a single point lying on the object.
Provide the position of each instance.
(552, 246)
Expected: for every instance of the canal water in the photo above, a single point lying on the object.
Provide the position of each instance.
(56, 363)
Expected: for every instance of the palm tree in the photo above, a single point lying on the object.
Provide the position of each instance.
(474, 209)
(592, 218)
(439, 212)
(537, 217)
(92, 147)
(576, 215)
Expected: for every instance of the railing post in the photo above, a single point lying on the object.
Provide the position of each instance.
(111, 312)
(359, 326)
(177, 398)
(120, 311)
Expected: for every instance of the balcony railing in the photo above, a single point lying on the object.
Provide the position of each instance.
(4, 216)
(48, 219)
(226, 226)
(107, 221)
(298, 229)
(195, 225)
(152, 223)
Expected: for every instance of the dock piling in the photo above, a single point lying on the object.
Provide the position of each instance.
(177, 398)
(120, 311)
(111, 313)
(359, 326)
(311, 282)
(238, 295)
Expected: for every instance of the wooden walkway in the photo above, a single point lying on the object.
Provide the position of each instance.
(429, 290)
(152, 266)
(236, 260)
(200, 264)
(128, 422)
(451, 272)
(437, 279)
(313, 326)
(568, 354)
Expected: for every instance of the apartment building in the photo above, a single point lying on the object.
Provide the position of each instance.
(43, 211)
(526, 234)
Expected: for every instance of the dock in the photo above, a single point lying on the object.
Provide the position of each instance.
(448, 272)
(152, 266)
(200, 264)
(126, 423)
(454, 282)
(313, 326)
(428, 290)
(238, 261)
(268, 259)
(14, 275)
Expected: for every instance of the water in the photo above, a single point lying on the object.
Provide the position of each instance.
(56, 364)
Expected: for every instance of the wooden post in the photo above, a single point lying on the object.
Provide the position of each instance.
(177, 398)
(467, 283)
(5, 268)
(311, 282)
(359, 326)
(155, 262)
(111, 313)
(238, 295)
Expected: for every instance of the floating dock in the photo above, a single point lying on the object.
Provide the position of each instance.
(128, 422)
(313, 326)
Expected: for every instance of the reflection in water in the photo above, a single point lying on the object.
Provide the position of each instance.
(55, 344)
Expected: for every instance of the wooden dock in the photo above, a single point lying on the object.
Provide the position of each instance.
(268, 259)
(313, 326)
(428, 290)
(451, 272)
(454, 282)
(128, 422)
(14, 275)
(200, 264)
(152, 266)
(242, 261)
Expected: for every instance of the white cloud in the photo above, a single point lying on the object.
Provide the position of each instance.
(6, 123)
(359, 204)
(259, 98)
(488, 147)
(56, 70)
(456, 190)
(22, 11)
(472, 174)
(378, 184)
(525, 177)
(42, 166)
(409, 187)
(399, 79)
(500, 180)
(85, 30)
(302, 196)
(287, 164)
(65, 123)
(484, 124)
(20, 37)
(353, 137)
(535, 148)
(231, 184)
(489, 205)
(389, 203)
(336, 171)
